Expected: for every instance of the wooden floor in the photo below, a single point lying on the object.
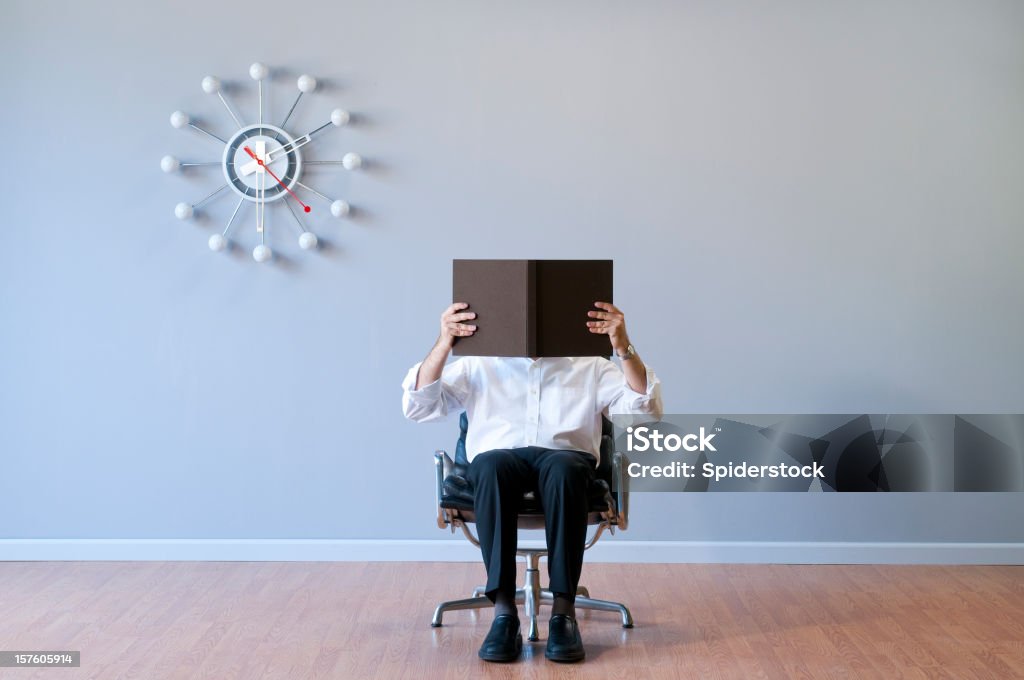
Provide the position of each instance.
(224, 620)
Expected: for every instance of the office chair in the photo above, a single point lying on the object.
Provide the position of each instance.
(608, 510)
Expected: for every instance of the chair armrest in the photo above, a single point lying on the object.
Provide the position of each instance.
(442, 468)
(619, 464)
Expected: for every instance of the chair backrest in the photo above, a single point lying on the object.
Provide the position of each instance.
(604, 466)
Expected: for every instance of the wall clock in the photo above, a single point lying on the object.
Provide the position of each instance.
(262, 165)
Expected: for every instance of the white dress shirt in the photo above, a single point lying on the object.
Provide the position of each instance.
(553, 402)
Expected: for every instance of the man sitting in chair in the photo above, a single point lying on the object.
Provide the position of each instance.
(534, 424)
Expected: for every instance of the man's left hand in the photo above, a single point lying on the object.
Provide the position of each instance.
(611, 322)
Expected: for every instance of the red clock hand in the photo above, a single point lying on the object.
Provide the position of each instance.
(264, 166)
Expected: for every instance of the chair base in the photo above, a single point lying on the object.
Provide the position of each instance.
(532, 596)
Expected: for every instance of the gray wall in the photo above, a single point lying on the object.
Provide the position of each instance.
(813, 207)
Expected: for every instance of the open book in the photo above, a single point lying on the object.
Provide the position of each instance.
(532, 308)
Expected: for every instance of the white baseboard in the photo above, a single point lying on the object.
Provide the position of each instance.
(460, 550)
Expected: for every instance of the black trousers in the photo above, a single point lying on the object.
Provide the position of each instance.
(561, 479)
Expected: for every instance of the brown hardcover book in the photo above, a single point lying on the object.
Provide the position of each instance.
(532, 308)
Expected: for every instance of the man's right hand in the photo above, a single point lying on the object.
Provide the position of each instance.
(452, 326)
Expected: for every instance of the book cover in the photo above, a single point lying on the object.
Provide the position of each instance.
(532, 307)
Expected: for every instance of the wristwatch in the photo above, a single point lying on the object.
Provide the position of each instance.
(628, 354)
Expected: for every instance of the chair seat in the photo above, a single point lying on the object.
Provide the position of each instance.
(458, 495)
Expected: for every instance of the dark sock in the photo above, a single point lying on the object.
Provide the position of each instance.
(505, 603)
(563, 604)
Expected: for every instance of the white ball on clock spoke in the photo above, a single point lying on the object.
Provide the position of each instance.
(258, 71)
(352, 161)
(169, 164)
(261, 253)
(218, 243)
(340, 208)
(340, 117)
(308, 240)
(211, 84)
(179, 119)
(184, 211)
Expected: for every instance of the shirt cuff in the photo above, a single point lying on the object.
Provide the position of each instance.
(426, 393)
(421, 404)
(644, 405)
(641, 397)
(409, 382)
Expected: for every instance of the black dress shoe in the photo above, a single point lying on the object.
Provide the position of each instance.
(504, 642)
(564, 641)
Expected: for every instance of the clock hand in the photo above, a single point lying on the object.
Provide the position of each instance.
(301, 141)
(253, 166)
(264, 166)
(339, 117)
(262, 204)
(261, 148)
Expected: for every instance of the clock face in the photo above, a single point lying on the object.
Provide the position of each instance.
(262, 165)
(279, 153)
